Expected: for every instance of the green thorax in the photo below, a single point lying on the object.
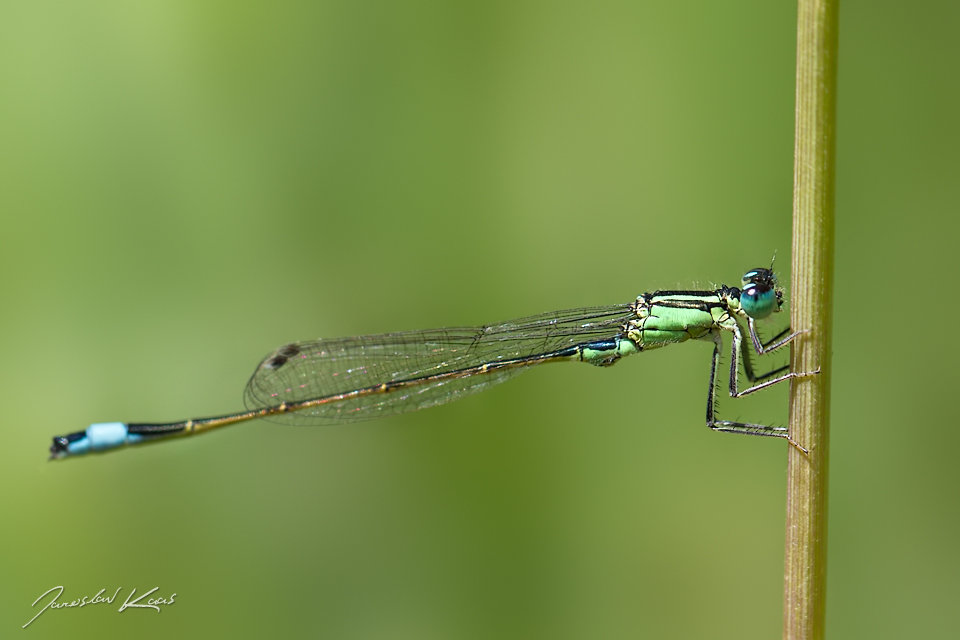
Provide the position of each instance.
(668, 317)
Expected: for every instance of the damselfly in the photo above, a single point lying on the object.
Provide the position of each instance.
(361, 378)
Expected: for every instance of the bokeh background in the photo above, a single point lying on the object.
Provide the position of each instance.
(186, 185)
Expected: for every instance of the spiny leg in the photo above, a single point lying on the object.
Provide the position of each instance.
(734, 364)
(774, 343)
(748, 361)
(726, 426)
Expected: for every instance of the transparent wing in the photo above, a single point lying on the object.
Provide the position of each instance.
(322, 368)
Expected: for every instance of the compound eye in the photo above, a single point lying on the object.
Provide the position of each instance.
(758, 301)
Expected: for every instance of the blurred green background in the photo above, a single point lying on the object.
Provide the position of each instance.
(186, 185)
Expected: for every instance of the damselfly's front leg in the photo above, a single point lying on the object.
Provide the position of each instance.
(762, 349)
(774, 343)
(748, 361)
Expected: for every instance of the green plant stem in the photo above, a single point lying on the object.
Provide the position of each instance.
(811, 309)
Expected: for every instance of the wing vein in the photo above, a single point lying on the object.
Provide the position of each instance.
(320, 368)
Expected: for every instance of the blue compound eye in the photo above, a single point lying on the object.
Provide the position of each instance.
(758, 301)
(760, 296)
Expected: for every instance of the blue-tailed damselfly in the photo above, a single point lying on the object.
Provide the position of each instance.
(360, 378)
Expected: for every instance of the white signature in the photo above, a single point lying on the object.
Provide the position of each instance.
(152, 603)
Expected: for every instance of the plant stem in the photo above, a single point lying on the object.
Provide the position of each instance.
(811, 309)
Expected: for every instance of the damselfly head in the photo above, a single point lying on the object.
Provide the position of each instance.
(59, 448)
(760, 295)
